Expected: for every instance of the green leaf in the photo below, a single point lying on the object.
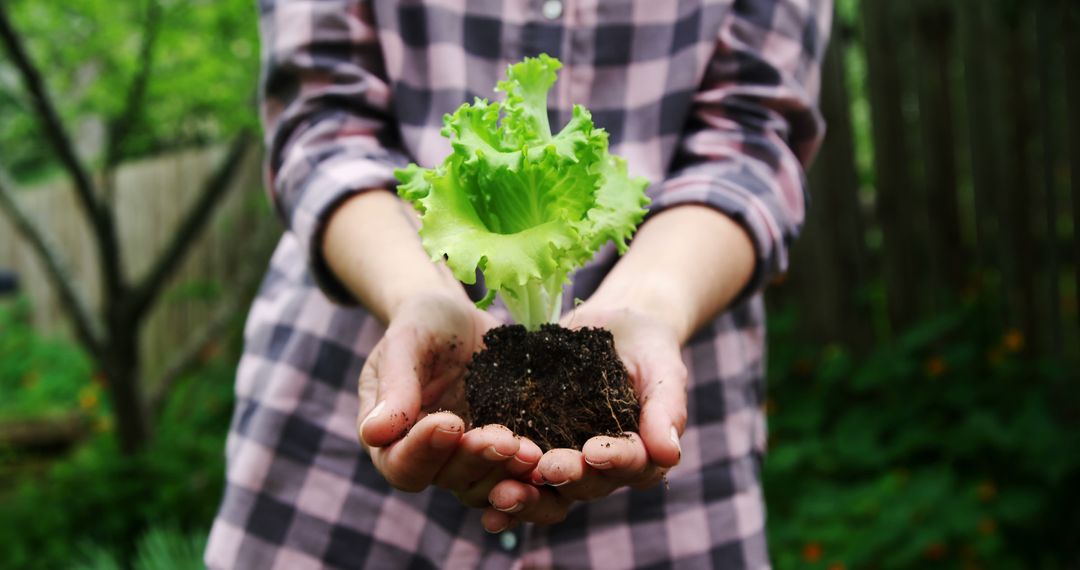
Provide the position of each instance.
(524, 207)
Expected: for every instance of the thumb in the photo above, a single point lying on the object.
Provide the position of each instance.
(663, 408)
(397, 396)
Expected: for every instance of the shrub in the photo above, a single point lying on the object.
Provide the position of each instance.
(98, 496)
(948, 446)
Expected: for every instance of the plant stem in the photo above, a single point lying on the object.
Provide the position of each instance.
(536, 303)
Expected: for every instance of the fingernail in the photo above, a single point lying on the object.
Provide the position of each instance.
(445, 438)
(492, 454)
(517, 507)
(550, 484)
(373, 413)
(498, 530)
(598, 464)
(522, 462)
(675, 440)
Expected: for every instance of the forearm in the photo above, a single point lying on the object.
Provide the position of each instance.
(684, 266)
(372, 246)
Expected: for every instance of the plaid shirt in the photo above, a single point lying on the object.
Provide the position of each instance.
(712, 100)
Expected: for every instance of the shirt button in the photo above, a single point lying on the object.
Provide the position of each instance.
(508, 540)
(552, 9)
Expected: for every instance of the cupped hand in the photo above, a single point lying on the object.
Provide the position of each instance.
(412, 404)
(650, 349)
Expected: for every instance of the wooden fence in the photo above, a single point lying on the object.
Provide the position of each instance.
(951, 168)
(152, 196)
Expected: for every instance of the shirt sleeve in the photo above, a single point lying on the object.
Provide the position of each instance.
(325, 103)
(754, 126)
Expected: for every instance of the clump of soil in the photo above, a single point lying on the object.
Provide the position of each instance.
(556, 386)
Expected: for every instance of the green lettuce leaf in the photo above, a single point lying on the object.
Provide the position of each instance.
(520, 204)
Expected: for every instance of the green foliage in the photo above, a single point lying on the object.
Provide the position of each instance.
(201, 89)
(524, 206)
(39, 376)
(162, 548)
(99, 497)
(947, 447)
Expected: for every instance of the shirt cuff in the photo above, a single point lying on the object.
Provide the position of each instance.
(329, 185)
(742, 201)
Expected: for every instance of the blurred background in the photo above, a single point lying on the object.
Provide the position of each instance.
(923, 393)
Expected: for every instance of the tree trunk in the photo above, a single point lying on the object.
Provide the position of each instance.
(122, 369)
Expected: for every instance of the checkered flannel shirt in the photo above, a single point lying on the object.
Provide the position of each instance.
(712, 100)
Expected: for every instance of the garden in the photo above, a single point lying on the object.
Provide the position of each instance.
(922, 399)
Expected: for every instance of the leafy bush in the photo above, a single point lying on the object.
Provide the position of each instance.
(40, 375)
(948, 448)
(100, 497)
(162, 548)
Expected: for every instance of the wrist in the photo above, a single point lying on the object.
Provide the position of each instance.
(371, 245)
(408, 299)
(655, 297)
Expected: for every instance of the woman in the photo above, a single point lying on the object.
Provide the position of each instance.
(712, 100)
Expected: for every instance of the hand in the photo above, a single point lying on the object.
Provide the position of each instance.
(411, 403)
(650, 349)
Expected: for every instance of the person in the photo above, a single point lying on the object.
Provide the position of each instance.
(355, 330)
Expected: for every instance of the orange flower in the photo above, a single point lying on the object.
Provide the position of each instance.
(986, 491)
(209, 351)
(837, 566)
(936, 551)
(812, 552)
(936, 366)
(88, 399)
(803, 367)
(987, 526)
(1013, 341)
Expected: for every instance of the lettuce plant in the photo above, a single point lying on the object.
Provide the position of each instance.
(524, 206)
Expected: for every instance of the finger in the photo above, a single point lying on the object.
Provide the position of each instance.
(398, 393)
(479, 450)
(566, 470)
(411, 463)
(476, 495)
(527, 503)
(510, 496)
(617, 456)
(525, 460)
(663, 408)
(496, 522)
(623, 461)
(561, 466)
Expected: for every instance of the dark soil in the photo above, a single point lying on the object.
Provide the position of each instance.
(556, 386)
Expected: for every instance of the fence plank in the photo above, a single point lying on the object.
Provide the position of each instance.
(891, 156)
(1051, 143)
(935, 42)
(979, 40)
(829, 273)
(151, 198)
(1070, 21)
(1021, 188)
